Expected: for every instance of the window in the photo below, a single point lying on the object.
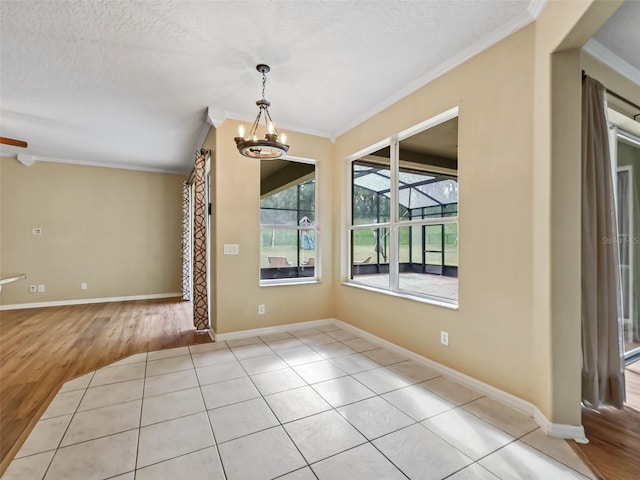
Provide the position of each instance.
(625, 158)
(404, 213)
(288, 230)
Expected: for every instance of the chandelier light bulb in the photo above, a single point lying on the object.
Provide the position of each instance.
(283, 137)
(241, 130)
(270, 128)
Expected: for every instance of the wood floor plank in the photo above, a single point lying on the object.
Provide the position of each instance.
(634, 367)
(614, 436)
(633, 389)
(40, 349)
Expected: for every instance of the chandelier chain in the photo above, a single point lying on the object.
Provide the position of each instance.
(264, 82)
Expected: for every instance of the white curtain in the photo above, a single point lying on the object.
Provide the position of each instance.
(603, 365)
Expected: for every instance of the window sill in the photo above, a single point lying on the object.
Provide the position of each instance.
(407, 296)
(288, 282)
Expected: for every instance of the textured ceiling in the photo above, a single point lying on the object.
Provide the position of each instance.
(128, 83)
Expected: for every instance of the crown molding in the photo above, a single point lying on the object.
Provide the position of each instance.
(215, 116)
(535, 8)
(612, 60)
(28, 160)
(471, 51)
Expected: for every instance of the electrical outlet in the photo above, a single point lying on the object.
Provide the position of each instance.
(36, 231)
(40, 288)
(444, 338)
(83, 286)
(33, 288)
(261, 309)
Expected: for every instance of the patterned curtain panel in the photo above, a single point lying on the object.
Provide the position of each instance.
(200, 302)
(186, 242)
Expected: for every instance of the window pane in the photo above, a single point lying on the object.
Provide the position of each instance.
(287, 191)
(293, 206)
(428, 257)
(370, 256)
(421, 189)
(430, 195)
(426, 190)
(371, 188)
(451, 245)
(286, 253)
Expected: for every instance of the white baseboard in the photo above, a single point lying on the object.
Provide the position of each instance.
(557, 430)
(221, 337)
(501, 396)
(82, 301)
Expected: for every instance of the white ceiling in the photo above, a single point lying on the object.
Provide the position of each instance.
(128, 83)
(618, 41)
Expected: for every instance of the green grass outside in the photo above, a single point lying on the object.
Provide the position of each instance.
(364, 246)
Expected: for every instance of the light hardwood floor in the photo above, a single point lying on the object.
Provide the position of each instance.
(613, 451)
(42, 348)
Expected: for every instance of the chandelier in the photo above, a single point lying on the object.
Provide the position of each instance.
(273, 144)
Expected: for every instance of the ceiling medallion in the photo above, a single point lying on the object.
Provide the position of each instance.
(273, 145)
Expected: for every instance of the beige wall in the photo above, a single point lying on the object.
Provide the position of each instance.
(237, 203)
(518, 322)
(561, 30)
(116, 230)
(489, 333)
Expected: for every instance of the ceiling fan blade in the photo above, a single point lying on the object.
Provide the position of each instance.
(13, 142)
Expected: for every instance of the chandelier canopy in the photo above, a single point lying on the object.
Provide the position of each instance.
(273, 144)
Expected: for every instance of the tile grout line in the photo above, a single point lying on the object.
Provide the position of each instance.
(262, 396)
(206, 411)
(68, 425)
(380, 395)
(335, 409)
(288, 367)
(272, 412)
(144, 380)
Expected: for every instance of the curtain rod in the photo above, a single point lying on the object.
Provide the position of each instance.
(619, 97)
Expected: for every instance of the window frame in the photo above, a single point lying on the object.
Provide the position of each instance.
(395, 222)
(316, 278)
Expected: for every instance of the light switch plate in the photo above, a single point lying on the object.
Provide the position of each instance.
(231, 249)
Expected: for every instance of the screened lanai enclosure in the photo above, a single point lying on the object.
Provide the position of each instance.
(404, 215)
(287, 220)
(426, 248)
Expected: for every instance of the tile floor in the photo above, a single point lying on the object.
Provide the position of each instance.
(308, 404)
